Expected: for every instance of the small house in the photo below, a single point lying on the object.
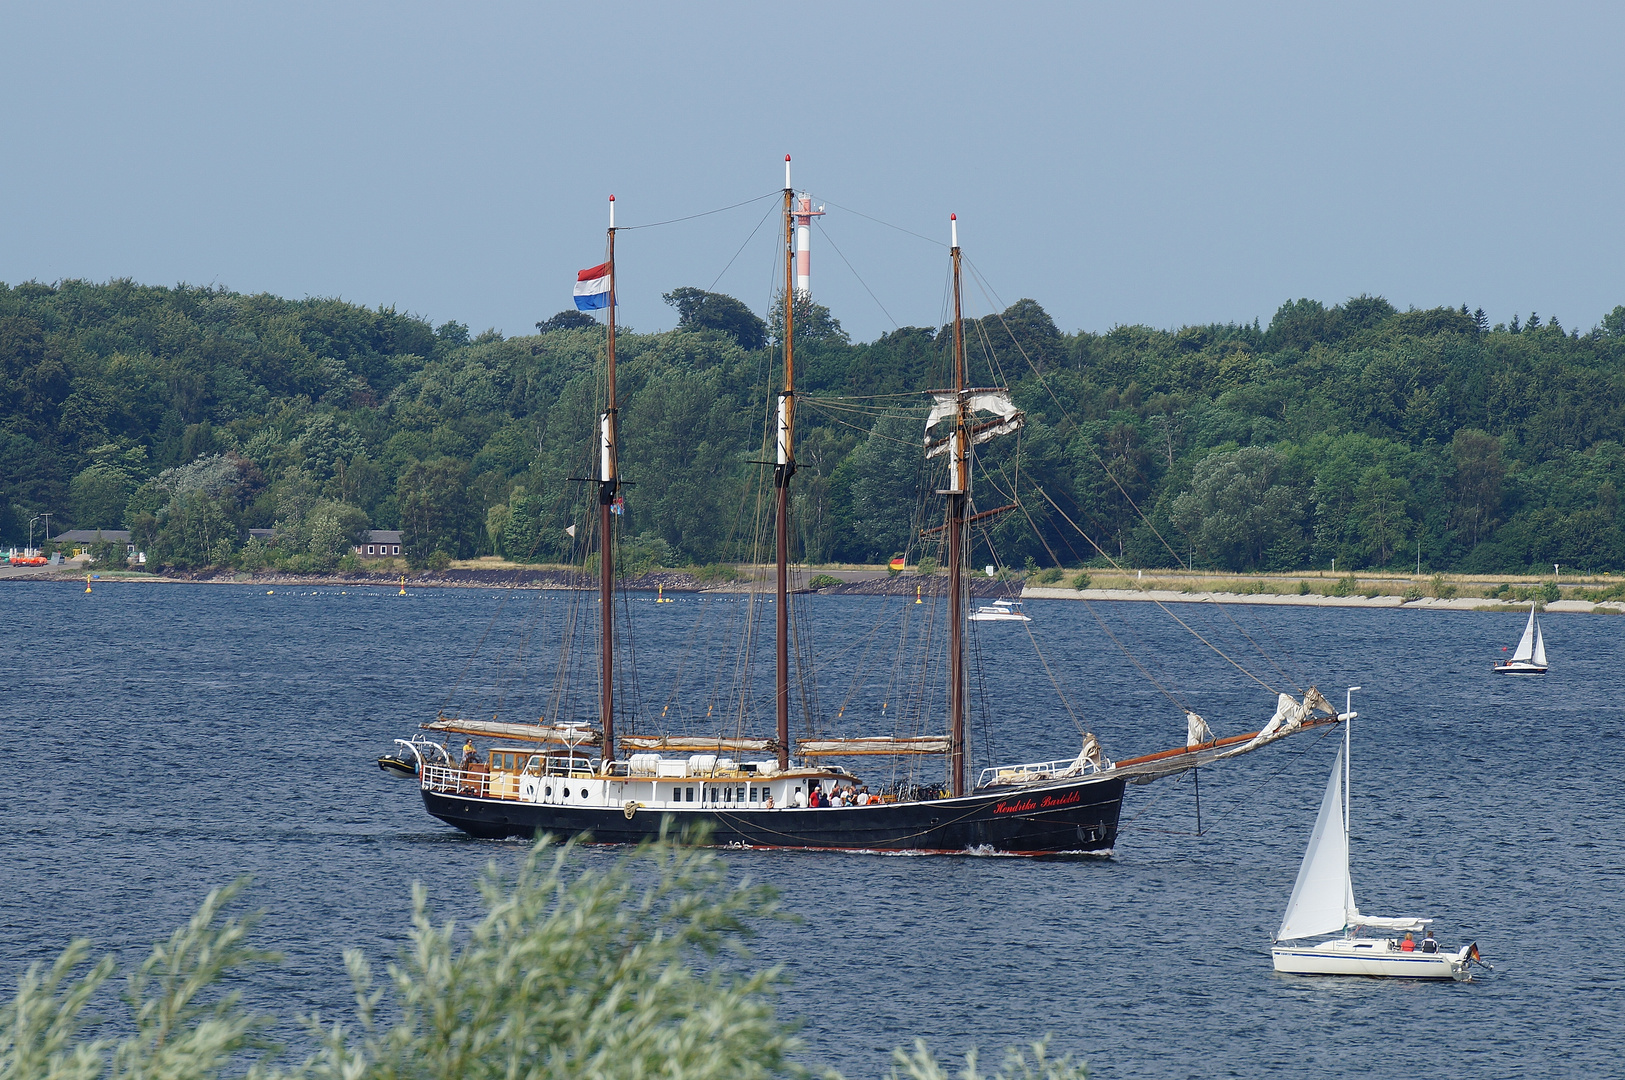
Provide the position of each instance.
(79, 541)
(380, 544)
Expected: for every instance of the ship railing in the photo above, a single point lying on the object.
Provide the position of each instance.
(451, 780)
(1035, 771)
(560, 765)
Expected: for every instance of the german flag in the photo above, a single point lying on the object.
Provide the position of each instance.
(898, 562)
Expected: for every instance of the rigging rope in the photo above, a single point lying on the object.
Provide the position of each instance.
(825, 234)
(1159, 603)
(691, 217)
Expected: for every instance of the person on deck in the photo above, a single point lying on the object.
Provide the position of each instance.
(470, 755)
(1409, 944)
(1428, 944)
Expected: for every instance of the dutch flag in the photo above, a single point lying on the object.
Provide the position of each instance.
(593, 287)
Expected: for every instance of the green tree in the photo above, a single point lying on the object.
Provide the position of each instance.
(1239, 505)
(874, 492)
(1383, 510)
(568, 319)
(1477, 482)
(701, 310)
(435, 512)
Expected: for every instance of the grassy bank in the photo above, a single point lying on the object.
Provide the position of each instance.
(1511, 587)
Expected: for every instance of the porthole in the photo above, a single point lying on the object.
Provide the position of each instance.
(566, 793)
(550, 792)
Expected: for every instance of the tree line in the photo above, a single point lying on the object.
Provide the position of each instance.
(1355, 432)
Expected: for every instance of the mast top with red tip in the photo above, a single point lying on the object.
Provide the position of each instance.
(612, 211)
(953, 221)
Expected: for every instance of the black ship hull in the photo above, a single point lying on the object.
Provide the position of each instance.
(1076, 816)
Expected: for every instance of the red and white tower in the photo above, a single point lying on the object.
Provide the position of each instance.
(804, 213)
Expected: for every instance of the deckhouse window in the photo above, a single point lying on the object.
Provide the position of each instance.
(753, 794)
(690, 795)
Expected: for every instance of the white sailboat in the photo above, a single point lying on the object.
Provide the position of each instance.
(1530, 656)
(1323, 903)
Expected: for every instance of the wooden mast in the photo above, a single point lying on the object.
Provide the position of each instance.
(783, 468)
(958, 492)
(608, 483)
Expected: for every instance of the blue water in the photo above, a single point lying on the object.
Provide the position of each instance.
(165, 739)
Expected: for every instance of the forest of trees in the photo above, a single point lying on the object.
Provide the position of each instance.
(1356, 432)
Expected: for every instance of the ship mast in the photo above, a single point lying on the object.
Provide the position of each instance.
(958, 492)
(784, 468)
(608, 484)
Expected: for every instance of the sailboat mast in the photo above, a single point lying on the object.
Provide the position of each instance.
(608, 483)
(958, 491)
(783, 468)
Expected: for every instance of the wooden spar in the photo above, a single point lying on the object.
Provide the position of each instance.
(974, 518)
(785, 467)
(608, 481)
(1231, 740)
(958, 488)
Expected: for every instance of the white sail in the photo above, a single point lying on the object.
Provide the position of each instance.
(1526, 644)
(1539, 655)
(1323, 897)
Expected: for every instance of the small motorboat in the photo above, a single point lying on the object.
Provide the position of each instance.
(399, 765)
(1000, 611)
(408, 760)
(1529, 658)
(1323, 903)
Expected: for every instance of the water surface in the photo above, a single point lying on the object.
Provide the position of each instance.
(165, 739)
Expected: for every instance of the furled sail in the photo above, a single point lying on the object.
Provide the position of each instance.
(541, 733)
(945, 403)
(1196, 730)
(1323, 896)
(925, 744)
(1290, 717)
(697, 743)
(1526, 644)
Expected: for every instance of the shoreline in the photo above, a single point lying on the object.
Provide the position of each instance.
(1426, 603)
(876, 584)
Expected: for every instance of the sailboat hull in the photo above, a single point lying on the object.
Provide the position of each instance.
(1073, 817)
(1370, 957)
(1520, 667)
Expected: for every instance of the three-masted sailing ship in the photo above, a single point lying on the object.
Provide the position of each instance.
(579, 779)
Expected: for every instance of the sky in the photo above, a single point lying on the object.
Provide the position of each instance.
(1159, 164)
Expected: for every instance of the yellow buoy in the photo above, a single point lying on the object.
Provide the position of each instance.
(917, 599)
(268, 592)
(87, 583)
(403, 584)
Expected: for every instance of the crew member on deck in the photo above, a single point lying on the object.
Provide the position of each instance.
(470, 755)
(1409, 944)
(1428, 944)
